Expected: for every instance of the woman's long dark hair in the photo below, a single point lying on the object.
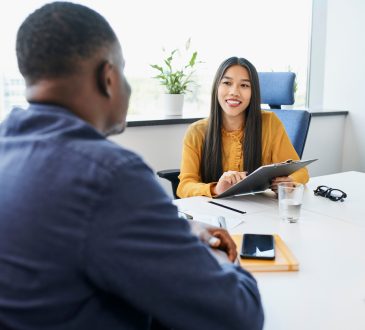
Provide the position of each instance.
(211, 163)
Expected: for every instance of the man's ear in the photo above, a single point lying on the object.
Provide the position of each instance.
(103, 77)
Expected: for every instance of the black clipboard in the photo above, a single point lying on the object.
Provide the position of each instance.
(259, 180)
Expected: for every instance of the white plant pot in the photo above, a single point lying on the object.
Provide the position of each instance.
(173, 104)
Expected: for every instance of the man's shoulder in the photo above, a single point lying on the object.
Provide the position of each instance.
(78, 139)
(67, 142)
(104, 153)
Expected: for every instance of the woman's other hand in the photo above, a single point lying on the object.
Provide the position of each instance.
(279, 179)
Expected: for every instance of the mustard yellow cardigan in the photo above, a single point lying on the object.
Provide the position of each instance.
(276, 147)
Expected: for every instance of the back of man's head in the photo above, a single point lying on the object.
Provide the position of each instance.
(54, 39)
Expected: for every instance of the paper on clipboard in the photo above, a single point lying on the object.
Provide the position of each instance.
(259, 180)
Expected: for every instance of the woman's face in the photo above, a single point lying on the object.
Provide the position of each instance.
(234, 91)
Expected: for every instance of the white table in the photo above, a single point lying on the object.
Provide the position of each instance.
(328, 292)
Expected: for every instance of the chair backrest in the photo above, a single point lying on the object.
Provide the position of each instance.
(296, 124)
(277, 89)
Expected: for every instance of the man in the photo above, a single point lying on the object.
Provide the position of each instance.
(88, 239)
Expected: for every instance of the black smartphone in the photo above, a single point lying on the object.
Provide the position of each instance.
(257, 246)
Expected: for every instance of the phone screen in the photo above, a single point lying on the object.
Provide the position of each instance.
(256, 246)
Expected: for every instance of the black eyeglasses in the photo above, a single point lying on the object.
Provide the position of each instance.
(333, 194)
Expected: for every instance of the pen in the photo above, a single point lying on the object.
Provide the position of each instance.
(222, 222)
(227, 207)
(185, 215)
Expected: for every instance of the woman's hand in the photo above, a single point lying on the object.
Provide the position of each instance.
(279, 179)
(227, 180)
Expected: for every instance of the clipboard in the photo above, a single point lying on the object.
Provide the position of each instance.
(259, 180)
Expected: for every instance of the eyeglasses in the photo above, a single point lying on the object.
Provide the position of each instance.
(333, 194)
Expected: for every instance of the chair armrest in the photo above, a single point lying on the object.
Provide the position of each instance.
(171, 175)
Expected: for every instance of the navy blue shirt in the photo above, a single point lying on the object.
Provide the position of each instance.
(89, 240)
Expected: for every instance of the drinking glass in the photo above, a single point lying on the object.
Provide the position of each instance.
(290, 200)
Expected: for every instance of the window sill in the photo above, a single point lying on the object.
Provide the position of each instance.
(161, 120)
(177, 120)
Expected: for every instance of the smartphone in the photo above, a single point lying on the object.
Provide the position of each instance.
(257, 246)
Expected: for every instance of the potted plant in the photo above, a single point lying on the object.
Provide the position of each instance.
(175, 80)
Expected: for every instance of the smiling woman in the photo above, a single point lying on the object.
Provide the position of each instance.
(236, 138)
(215, 35)
(234, 96)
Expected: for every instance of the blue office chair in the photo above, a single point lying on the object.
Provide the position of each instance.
(277, 89)
(296, 124)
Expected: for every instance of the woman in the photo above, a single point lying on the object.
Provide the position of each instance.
(237, 138)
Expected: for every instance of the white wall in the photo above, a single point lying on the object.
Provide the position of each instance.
(160, 146)
(341, 52)
(325, 146)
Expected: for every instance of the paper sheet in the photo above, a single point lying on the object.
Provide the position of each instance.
(231, 222)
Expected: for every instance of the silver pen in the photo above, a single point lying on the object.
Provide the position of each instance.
(222, 222)
(185, 215)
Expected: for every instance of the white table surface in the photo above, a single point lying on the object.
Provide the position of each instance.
(328, 292)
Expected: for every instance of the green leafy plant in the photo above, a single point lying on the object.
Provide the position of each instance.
(176, 81)
(295, 87)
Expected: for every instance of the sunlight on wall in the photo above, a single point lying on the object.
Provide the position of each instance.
(273, 35)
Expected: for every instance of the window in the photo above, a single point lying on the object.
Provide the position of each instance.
(273, 35)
